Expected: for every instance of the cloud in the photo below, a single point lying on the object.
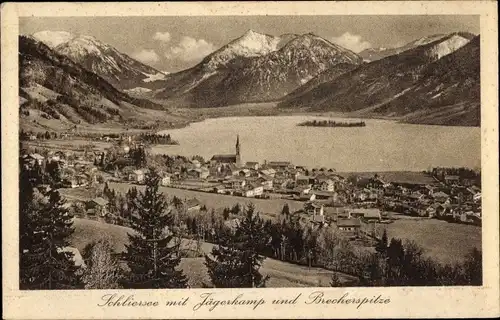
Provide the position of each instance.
(162, 36)
(146, 56)
(190, 49)
(53, 38)
(352, 42)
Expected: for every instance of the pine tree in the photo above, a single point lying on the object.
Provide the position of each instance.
(286, 210)
(381, 246)
(45, 226)
(235, 263)
(102, 270)
(151, 255)
(473, 267)
(335, 280)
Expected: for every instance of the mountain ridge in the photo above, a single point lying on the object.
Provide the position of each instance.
(115, 67)
(267, 76)
(372, 87)
(54, 87)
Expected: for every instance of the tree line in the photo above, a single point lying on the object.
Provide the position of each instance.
(331, 123)
(154, 138)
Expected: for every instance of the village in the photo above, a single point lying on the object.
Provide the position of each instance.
(350, 203)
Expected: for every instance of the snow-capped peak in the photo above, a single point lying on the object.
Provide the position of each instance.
(250, 44)
(82, 45)
(446, 46)
(53, 38)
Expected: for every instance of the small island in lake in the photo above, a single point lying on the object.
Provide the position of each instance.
(330, 123)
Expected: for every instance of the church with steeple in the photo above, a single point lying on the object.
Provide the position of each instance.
(230, 158)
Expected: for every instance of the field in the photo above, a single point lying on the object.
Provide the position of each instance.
(77, 144)
(282, 274)
(443, 241)
(268, 207)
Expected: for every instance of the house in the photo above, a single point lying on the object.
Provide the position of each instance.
(268, 172)
(440, 196)
(266, 182)
(252, 165)
(326, 185)
(477, 197)
(196, 163)
(234, 183)
(350, 225)
(307, 196)
(75, 255)
(193, 205)
(36, 157)
(432, 209)
(360, 195)
(253, 190)
(428, 189)
(468, 182)
(199, 173)
(367, 214)
(166, 180)
(313, 208)
(98, 206)
(323, 194)
(279, 165)
(451, 179)
(318, 219)
(136, 176)
(244, 173)
(81, 180)
(220, 189)
(416, 196)
(304, 180)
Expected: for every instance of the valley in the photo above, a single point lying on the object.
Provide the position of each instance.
(432, 80)
(217, 160)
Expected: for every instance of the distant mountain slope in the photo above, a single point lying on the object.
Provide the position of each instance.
(373, 54)
(449, 92)
(327, 75)
(393, 85)
(117, 68)
(53, 86)
(274, 67)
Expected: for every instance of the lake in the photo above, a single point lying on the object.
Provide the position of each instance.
(382, 145)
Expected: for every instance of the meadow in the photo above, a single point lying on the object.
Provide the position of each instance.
(443, 241)
(282, 274)
(269, 208)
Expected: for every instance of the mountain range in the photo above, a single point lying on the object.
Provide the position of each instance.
(439, 80)
(254, 68)
(434, 79)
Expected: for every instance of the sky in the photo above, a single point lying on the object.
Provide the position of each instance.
(174, 43)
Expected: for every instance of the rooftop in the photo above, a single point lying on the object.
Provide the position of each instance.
(348, 223)
(100, 201)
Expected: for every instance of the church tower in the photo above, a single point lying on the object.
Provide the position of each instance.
(238, 155)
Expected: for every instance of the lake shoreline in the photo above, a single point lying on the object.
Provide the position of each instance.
(386, 145)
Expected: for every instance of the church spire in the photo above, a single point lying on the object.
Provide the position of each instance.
(237, 144)
(238, 156)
